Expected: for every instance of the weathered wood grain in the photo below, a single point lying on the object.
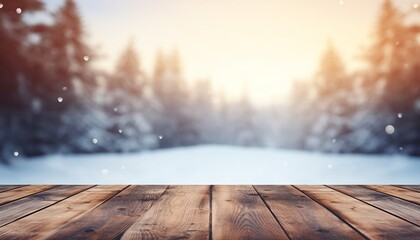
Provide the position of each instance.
(301, 216)
(112, 218)
(370, 221)
(14, 210)
(183, 212)
(197, 212)
(396, 206)
(406, 194)
(4, 188)
(410, 187)
(21, 192)
(239, 213)
(43, 223)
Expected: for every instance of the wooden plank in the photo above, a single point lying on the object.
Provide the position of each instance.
(411, 187)
(21, 192)
(4, 188)
(112, 218)
(14, 210)
(406, 210)
(302, 217)
(406, 194)
(183, 212)
(370, 221)
(43, 223)
(239, 213)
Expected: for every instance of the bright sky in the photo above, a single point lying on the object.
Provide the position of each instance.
(263, 45)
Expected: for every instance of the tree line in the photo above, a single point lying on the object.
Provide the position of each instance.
(53, 101)
(375, 109)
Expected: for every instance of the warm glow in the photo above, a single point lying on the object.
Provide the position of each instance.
(258, 45)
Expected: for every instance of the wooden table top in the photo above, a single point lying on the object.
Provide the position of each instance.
(209, 212)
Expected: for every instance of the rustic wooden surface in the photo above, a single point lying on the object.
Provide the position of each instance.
(209, 212)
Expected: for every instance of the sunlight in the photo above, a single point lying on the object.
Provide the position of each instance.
(264, 46)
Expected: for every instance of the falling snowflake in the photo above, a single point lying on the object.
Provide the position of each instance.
(160, 137)
(86, 58)
(400, 115)
(401, 148)
(16, 153)
(285, 164)
(415, 5)
(334, 140)
(389, 129)
(330, 166)
(64, 89)
(94, 140)
(341, 2)
(115, 109)
(1, 5)
(120, 130)
(122, 167)
(104, 171)
(60, 99)
(18, 10)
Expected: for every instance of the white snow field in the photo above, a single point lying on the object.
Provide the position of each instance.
(211, 164)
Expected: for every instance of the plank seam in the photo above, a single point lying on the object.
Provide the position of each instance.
(81, 215)
(211, 214)
(366, 186)
(272, 213)
(367, 203)
(406, 188)
(13, 188)
(29, 194)
(137, 219)
(118, 192)
(46, 206)
(333, 212)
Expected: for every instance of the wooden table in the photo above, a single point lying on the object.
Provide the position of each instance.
(209, 212)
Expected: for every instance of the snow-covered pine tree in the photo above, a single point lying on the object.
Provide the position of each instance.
(332, 106)
(204, 113)
(127, 106)
(16, 73)
(394, 69)
(173, 120)
(64, 90)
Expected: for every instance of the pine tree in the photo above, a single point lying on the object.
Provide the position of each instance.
(394, 64)
(14, 61)
(127, 106)
(173, 119)
(203, 112)
(128, 74)
(67, 84)
(331, 72)
(332, 105)
(16, 74)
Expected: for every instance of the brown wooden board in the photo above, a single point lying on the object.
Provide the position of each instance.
(112, 218)
(4, 188)
(45, 222)
(409, 195)
(401, 208)
(21, 192)
(14, 210)
(370, 221)
(206, 212)
(183, 212)
(410, 187)
(239, 213)
(301, 216)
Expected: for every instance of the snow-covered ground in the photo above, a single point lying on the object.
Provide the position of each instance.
(211, 164)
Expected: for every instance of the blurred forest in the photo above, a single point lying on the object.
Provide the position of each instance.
(53, 101)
